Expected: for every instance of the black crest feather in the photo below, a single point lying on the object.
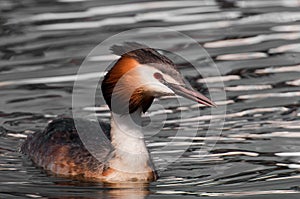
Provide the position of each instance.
(142, 53)
(127, 47)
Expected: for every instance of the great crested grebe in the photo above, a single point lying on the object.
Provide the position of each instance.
(144, 74)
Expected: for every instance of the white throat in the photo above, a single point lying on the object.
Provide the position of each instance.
(131, 154)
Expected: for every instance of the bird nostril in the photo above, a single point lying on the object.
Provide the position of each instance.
(158, 76)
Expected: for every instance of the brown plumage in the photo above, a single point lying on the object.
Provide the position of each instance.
(59, 149)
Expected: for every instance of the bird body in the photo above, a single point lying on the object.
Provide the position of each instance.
(140, 75)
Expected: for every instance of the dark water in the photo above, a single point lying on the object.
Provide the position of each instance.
(256, 46)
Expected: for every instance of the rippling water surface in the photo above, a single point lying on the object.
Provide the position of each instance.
(255, 45)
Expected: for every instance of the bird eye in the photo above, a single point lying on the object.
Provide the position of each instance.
(158, 76)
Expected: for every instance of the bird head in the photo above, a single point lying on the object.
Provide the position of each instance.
(140, 75)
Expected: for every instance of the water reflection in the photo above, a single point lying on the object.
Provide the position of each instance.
(242, 56)
(252, 40)
(129, 190)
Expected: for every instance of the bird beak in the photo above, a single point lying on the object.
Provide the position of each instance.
(191, 94)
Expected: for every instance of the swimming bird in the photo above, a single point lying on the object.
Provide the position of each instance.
(129, 88)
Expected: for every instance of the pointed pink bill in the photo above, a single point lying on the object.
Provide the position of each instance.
(191, 94)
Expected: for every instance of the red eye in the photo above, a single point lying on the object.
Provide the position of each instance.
(158, 76)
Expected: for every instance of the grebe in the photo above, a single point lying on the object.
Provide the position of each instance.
(144, 74)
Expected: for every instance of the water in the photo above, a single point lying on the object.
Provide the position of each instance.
(256, 47)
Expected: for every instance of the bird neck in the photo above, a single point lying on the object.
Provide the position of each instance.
(131, 154)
